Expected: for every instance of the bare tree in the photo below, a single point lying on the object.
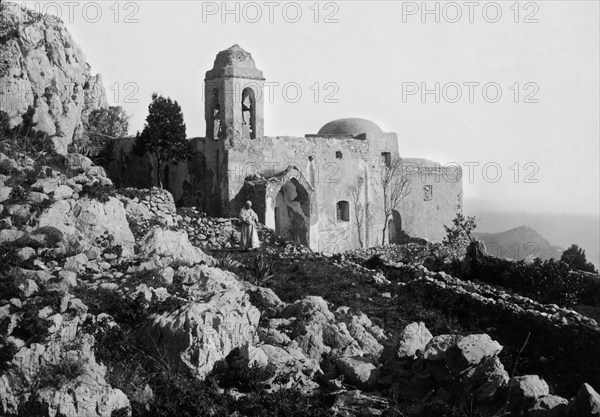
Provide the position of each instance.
(355, 192)
(396, 186)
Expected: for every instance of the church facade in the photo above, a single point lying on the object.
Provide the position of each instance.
(323, 190)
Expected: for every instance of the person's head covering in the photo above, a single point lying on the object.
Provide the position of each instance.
(248, 204)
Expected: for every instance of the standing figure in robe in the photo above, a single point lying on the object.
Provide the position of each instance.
(249, 219)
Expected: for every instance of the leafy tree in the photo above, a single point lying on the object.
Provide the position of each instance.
(458, 236)
(395, 185)
(164, 133)
(574, 256)
(102, 127)
(111, 123)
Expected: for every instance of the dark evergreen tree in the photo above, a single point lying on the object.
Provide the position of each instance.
(164, 134)
(575, 258)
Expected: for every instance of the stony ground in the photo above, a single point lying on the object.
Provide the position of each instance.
(114, 304)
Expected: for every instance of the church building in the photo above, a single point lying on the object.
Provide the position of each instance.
(323, 190)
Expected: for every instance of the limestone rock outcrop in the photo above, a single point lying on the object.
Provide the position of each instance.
(42, 69)
(200, 333)
(84, 220)
(174, 245)
(58, 377)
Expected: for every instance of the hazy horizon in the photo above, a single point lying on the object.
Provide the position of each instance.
(362, 59)
(561, 229)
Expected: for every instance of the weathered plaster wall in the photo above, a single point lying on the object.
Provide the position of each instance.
(215, 185)
(329, 175)
(434, 200)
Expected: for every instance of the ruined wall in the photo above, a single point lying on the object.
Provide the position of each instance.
(330, 175)
(435, 198)
(184, 179)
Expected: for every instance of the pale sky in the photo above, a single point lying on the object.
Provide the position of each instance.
(372, 52)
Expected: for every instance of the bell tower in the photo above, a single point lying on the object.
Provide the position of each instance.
(234, 98)
(233, 111)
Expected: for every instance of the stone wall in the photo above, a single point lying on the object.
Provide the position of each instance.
(183, 179)
(434, 199)
(516, 319)
(215, 181)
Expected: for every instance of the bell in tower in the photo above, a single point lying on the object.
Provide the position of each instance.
(234, 103)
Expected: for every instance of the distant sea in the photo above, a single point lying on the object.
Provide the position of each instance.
(561, 229)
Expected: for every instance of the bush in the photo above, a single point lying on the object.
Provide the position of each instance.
(260, 270)
(233, 373)
(31, 328)
(7, 352)
(459, 235)
(59, 374)
(97, 191)
(549, 282)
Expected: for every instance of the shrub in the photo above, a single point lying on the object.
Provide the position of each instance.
(7, 351)
(32, 328)
(50, 237)
(260, 269)
(97, 191)
(228, 262)
(59, 374)
(459, 235)
(549, 282)
(233, 373)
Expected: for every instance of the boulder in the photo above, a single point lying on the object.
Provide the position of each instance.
(166, 275)
(78, 164)
(10, 235)
(83, 221)
(4, 193)
(368, 336)
(76, 263)
(200, 333)
(486, 379)
(414, 338)
(470, 351)
(526, 390)
(174, 245)
(27, 387)
(359, 372)
(438, 346)
(586, 403)
(549, 406)
(355, 403)
(62, 192)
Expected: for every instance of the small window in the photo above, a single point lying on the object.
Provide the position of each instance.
(428, 193)
(386, 157)
(338, 154)
(343, 211)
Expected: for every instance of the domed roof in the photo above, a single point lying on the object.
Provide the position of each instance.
(351, 126)
(234, 61)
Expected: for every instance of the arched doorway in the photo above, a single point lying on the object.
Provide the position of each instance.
(395, 228)
(292, 212)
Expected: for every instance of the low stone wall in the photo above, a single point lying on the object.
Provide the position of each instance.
(558, 337)
(207, 232)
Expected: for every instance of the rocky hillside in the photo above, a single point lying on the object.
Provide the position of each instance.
(108, 309)
(44, 73)
(518, 243)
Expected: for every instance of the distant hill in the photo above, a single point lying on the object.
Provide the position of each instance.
(518, 243)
